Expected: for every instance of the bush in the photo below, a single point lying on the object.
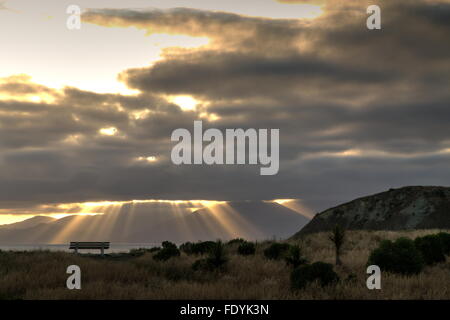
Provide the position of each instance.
(202, 247)
(186, 247)
(445, 241)
(246, 248)
(321, 271)
(295, 257)
(216, 259)
(168, 251)
(168, 245)
(400, 256)
(431, 248)
(276, 250)
(236, 241)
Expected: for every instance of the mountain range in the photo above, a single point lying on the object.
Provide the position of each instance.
(253, 220)
(413, 207)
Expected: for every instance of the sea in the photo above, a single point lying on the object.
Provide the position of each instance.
(114, 247)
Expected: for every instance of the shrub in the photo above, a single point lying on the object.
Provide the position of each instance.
(186, 247)
(202, 247)
(246, 248)
(216, 259)
(276, 250)
(236, 241)
(445, 241)
(400, 256)
(321, 271)
(295, 257)
(168, 245)
(168, 251)
(154, 249)
(431, 248)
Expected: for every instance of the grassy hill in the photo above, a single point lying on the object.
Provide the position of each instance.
(406, 208)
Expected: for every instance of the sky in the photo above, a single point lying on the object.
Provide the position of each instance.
(86, 115)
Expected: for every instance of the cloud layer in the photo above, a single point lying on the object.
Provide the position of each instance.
(359, 111)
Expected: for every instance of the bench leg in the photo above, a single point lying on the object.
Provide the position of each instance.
(103, 252)
(76, 250)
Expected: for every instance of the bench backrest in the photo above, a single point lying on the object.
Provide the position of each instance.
(89, 245)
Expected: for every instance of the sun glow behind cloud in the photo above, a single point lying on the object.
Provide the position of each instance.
(297, 206)
(95, 208)
(111, 131)
(94, 50)
(184, 102)
(88, 59)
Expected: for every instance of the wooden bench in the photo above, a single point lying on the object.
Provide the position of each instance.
(89, 245)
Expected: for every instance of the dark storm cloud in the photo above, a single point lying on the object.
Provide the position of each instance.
(358, 111)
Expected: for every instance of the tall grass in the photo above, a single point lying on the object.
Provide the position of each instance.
(42, 274)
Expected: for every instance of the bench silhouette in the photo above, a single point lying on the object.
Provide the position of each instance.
(75, 245)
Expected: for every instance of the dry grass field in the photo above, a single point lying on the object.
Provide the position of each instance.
(42, 275)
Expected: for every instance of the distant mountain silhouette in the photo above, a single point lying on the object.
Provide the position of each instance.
(413, 207)
(28, 223)
(254, 220)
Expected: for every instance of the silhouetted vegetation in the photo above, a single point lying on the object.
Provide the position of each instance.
(216, 259)
(198, 248)
(295, 257)
(246, 248)
(276, 250)
(169, 250)
(318, 271)
(431, 248)
(399, 256)
(223, 273)
(186, 247)
(445, 241)
(337, 236)
(236, 241)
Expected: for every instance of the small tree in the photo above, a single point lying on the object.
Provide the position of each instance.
(337, 236)
(217, 256)
(295, 257)
(215, 261)
(168, 251)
